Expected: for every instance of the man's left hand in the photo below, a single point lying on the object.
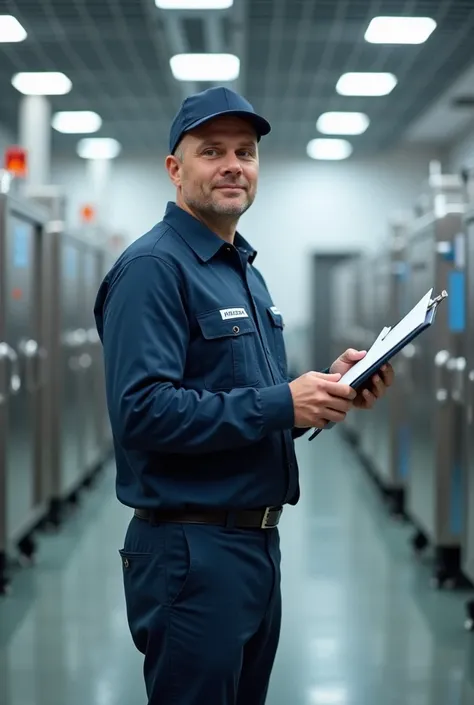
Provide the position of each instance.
(375, 388)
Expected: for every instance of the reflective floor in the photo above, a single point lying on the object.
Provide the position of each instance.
(361, 624)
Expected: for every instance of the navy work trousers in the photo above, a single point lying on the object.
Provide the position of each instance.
(204, 607)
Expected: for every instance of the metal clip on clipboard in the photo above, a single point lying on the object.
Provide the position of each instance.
(430, 306)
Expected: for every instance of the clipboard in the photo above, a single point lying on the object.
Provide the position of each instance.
(389, 342)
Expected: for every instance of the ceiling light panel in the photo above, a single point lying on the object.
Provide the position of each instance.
(342, 123)
(11, 30)
(205, 67)
(43, 83)
(98, 148)
(194, 4)
(77, 122)
(333, 150)
(366, 84)
(400, 30)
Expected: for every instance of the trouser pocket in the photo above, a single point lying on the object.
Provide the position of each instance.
(156, 563)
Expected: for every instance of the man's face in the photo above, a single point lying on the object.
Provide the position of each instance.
(218, 167)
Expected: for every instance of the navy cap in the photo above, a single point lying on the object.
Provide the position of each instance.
(211, 103)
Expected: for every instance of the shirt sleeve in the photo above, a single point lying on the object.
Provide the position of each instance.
(145, 339)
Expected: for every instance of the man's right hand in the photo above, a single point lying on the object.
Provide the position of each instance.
(318, 399)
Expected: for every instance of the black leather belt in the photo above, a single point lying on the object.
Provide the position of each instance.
(240, 519)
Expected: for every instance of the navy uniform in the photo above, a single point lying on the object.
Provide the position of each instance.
(202, 417)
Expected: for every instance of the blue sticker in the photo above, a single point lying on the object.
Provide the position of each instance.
(456, 303)
(456, 500)
(21, 245)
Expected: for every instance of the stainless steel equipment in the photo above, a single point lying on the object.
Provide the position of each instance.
(467, 394)
(77, 430)
(23, 378)
(347, 330)
(435, 462)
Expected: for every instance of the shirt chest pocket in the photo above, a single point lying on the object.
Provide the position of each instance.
(229, 351)
(277, 325)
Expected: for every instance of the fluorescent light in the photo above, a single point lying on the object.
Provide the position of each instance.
(399, 30)
(205, 67)
(77, 122)
(42, 83)
(372, 84)
(98, 148)
(329, 149)
(194, 4)
(11, 30)
(342, 123)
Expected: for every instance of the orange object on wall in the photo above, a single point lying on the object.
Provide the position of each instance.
(16, 161)
(87, 214)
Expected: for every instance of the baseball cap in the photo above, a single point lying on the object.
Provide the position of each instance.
(211, 103)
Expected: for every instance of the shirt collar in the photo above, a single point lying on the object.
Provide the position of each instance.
(199, 237)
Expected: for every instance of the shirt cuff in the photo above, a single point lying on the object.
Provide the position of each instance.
(277, 408)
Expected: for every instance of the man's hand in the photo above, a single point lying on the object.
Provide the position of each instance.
(375, 388)
(318, 398)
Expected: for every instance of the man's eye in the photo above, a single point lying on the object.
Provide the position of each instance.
(210, 152)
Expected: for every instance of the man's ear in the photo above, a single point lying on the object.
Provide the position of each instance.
(173, 167)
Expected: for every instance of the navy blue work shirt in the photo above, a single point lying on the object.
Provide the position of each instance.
(196, 373)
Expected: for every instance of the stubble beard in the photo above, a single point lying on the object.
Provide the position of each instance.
(208, 206)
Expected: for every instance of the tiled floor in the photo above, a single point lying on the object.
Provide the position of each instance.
(361, 625)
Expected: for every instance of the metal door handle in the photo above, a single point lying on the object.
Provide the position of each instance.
(7, 353)
(459, 387)
(441, 389)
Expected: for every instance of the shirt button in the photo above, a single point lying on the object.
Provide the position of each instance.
(126, 563)
(236, 329)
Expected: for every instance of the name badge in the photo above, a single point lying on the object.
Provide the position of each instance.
(275, 310)
(227, 313)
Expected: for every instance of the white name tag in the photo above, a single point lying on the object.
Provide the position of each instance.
(227, 313)
(275, 310)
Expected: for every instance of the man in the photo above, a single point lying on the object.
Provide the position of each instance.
(204, 420)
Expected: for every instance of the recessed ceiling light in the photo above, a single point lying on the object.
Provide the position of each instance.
(400, 30)
(342, 123)
(11, 30)
(333, 150)
(368, 84)
(205, 67)
(42, 83)
(98, 148)
(77, 122)
(194, 4)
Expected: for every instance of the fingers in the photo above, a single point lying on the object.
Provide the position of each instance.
(352, 355)
(343, 391)
(334, 415)
(387, 374)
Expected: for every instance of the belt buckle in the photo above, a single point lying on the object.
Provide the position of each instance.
(265, 524)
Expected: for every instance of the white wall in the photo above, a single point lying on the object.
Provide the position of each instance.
(301, 206)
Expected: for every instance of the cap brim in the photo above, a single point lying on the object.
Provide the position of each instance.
(261, 125)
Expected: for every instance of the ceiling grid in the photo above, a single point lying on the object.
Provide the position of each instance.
(117, 52)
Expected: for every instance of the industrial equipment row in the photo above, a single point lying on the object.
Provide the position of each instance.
(419, 446)
(54, 430)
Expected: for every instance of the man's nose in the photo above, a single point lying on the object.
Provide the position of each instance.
(231, 164)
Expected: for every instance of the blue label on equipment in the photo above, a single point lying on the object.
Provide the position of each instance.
(21, 233)
(456, 499)
(404, 451)
(456, 303)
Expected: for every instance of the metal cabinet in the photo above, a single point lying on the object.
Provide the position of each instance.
(435, 464)
(23, 376)
(76, 428)
(468, 387)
